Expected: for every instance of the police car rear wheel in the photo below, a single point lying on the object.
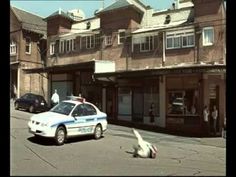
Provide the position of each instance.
(98, 132)
(60, 136)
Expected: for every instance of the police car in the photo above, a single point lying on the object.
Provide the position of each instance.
(69, 118)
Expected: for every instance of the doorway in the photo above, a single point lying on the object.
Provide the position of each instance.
(214, 100)
(137, 105)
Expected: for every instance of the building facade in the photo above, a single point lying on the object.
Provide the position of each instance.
(27, 50)
(130, 56)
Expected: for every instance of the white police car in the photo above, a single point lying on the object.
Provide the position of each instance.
(67, 119)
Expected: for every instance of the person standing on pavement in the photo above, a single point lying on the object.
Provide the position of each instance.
(214, 115)
(151, 113)
(206, 119)
(55, 98)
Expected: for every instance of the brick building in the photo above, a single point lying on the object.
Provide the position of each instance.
(27, 50)
(129, 56)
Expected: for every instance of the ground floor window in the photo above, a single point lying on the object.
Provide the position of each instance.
(183, 102)
(136, 99)
(124, 101)
(151, 96)
(183, 94)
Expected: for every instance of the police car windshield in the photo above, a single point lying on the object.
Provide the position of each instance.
(63, 108)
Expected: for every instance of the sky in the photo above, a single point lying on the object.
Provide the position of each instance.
(44, 8)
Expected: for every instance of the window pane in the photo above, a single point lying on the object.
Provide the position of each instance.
(208, 36)
(124, 104)
(169, 43)
(185, 41)
(176, 42)
(191, 40)
(175, 103)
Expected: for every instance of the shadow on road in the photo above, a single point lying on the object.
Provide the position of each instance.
(50, 141)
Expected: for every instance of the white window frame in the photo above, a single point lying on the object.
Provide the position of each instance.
(180, 35)
(143, 40)
(28, 44)
(52, 48)
(13, 48)
(187, 35)
(91, 40)
(108, 40)
(63, 45)
(119, 37)
(173, 37)
(204, 40)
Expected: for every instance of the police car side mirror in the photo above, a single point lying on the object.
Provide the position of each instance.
(74, 116)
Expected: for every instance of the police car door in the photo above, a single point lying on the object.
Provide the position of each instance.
(79, 121)
(82, 124)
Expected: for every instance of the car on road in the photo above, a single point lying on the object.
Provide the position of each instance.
(67, 119)
(31, 102)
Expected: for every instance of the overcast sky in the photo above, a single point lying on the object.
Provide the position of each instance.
(45, 8)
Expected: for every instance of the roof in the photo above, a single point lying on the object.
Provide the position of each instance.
(30, 22)
(122, 4)
(61, 68)
(159, 27)
(59, 13)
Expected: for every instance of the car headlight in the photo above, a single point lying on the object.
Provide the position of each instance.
(44, 124)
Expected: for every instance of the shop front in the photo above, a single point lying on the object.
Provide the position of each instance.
(177, 93)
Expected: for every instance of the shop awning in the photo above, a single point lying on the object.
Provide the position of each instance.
(97, 66)
(195, 68)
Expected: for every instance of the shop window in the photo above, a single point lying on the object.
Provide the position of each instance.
(124, 101)
(184, 102)
(151, 95)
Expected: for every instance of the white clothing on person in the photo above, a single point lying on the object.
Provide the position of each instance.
(144, 148)
(205, 114)
(214, 114)
(55, 98)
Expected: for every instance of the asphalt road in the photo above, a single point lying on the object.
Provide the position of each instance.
(112, 155)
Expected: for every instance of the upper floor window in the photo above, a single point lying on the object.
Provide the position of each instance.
(208, 36)
(142, 43)
(188, 40)
(12, 48)
(90, 40)
(146, 43)
(181, 39)
(108, 40)
(121, 36)
(52, 48)
(27, 45)
(66, 45)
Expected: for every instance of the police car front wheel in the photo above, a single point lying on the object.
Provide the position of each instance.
(60, 135)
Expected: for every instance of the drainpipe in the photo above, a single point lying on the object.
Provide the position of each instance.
(18, 82)
(164, 49)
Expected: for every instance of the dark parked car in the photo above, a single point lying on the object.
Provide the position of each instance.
(31, 102)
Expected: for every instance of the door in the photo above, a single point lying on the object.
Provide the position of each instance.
(214, 100)
(137, 105)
